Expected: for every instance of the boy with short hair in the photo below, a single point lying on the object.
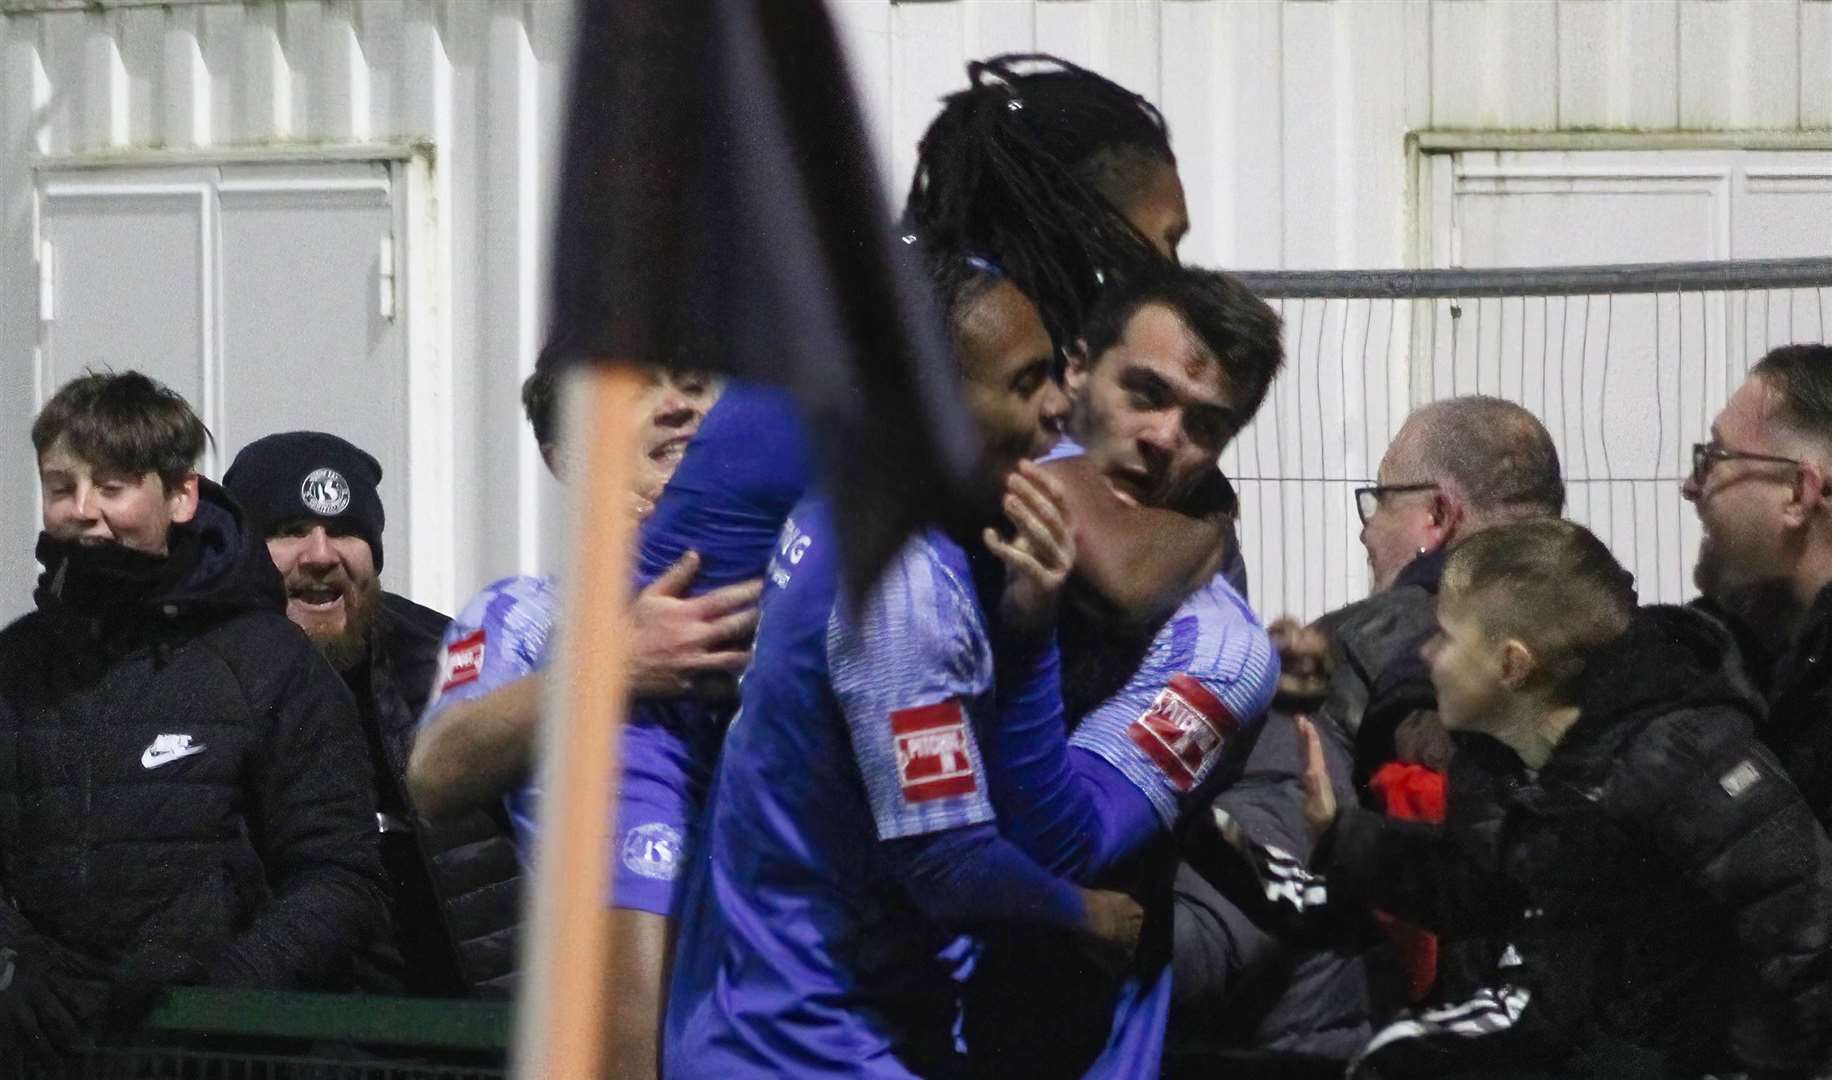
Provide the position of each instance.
(184, 794)
(1652, 887)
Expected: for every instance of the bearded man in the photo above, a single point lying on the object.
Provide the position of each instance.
(315, 499)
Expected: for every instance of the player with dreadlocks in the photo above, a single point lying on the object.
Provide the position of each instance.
(1063, 177)
(1067, 181)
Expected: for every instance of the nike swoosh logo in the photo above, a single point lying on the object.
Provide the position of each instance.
(152, 759)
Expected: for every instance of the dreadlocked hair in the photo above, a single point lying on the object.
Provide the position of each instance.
(1026, 166)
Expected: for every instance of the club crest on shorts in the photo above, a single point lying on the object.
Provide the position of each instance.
(933, 761)
(1183, 731)
(463, 661)
(653, 851)
(325, 492)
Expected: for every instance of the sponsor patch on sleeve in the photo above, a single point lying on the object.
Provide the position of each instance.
(1184, 730)
(463, 661)
(933, 761)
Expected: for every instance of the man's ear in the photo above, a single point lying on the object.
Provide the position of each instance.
(556, 461)
(1446, 517)
(1808, 495)
(1075, 374)
(182, 500)
(1517, 663)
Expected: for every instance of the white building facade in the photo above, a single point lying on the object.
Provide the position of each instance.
(334, 214)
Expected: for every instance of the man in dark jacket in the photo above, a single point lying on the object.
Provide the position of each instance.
(176, 799)
(1456, 467)
(315, 499)
(1762, 487)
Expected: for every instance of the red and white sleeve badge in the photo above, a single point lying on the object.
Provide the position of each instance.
(1184, 730)
(933, 761)
(463, 661)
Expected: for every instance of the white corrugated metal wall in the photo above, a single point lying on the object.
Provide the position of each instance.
(1290, 119)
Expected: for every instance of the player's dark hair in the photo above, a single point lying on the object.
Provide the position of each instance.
(1027, 167)
(1802, 374)
(541, 403)
(1221, 315)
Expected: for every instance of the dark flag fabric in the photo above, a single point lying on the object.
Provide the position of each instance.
(719, 209)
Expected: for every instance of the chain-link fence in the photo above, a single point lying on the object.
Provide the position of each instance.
(1625, 365)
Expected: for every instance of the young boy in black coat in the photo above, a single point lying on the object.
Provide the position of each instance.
(1652, 891)
(184, 795)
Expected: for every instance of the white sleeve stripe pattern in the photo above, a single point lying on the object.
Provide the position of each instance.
(1210, 670)
(911, 671)
(1490, 1012)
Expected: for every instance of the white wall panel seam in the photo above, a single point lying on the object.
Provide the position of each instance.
(530, 220)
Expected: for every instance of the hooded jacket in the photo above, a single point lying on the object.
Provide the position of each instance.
(181, 773)
(1661, 881)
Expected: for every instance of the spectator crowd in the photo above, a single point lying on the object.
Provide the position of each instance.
(1049, 798)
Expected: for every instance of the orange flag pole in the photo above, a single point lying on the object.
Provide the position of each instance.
(560, 1031)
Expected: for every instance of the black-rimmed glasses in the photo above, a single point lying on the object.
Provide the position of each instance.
(1705, 455)
(1367, 499)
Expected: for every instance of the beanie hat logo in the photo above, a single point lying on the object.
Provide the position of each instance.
(325, 493)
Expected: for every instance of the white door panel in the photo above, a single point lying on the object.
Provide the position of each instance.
(265, 293)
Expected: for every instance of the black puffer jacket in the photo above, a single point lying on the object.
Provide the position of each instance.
(176, 768)
(456, 884)
(1799, 689)
(1662, 881)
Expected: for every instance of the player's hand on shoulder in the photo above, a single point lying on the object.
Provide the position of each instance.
(680, 644)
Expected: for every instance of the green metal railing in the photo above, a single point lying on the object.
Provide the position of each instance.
(202, 1034)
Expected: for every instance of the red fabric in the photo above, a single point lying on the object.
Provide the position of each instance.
(1411, 793)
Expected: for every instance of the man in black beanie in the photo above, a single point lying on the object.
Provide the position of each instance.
(315, 499)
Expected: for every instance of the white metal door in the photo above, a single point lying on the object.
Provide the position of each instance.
(266, 294)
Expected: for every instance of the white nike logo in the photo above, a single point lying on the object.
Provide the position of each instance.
(167, 749)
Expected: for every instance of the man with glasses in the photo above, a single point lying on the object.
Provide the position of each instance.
(1760, 487)
(1456, 467)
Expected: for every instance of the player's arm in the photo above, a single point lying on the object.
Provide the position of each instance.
(1080, 809)
(1065, 809)
(478, 737)
(469, 753)
(1140, 562)
(909, 665)
(972, 877)
(1054, 807)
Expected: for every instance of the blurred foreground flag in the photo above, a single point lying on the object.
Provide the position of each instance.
(719, 209)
